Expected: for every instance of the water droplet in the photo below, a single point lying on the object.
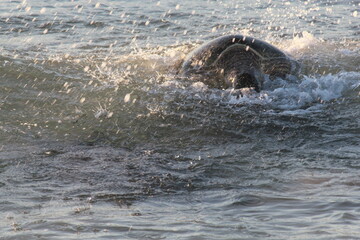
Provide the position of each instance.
(110, 114)
(127, 97)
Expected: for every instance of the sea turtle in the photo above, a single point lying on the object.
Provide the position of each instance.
(237, 61)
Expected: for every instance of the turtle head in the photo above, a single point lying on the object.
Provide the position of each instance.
(250, 78)
(241, 68)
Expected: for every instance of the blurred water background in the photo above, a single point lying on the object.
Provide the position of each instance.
(100, 139)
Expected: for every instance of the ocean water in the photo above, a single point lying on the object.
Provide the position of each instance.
(100, 139)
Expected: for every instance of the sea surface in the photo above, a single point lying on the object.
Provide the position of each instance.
(101, 139)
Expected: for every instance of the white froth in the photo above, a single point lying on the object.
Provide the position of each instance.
(308, 95)
(199, 86)
(311, 90)
(298, 43)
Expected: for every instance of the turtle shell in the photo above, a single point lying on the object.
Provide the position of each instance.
(273, 61)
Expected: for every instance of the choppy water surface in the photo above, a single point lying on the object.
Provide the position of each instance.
(99, 139)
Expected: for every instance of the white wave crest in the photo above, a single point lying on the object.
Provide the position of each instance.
(308, 92)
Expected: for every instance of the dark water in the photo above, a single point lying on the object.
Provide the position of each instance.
(99, 139)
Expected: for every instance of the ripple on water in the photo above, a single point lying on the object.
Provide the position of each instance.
(249, 201)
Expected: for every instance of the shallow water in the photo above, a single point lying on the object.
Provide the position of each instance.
(99, 139)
